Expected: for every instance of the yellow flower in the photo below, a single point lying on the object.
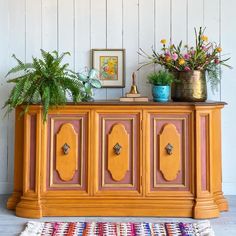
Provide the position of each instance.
(204, 38)
(163, 41)
(219, 49)
(111, 63)
(181, 61)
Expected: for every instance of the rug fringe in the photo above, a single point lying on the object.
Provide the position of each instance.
(33, 228)
(204, 228)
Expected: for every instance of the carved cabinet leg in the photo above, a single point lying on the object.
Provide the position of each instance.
(30, 204)
(205, 205)
(18, 161)
(217, 163)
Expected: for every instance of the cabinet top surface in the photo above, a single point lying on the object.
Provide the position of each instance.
(143, 104)
(150, 103)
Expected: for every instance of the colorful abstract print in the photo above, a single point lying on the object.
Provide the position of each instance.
(109, 67)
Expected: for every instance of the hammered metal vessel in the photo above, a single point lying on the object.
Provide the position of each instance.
(191, 87)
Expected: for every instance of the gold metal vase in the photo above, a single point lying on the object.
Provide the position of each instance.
(191, 86)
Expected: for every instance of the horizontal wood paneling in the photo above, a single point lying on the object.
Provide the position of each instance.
(80, 25)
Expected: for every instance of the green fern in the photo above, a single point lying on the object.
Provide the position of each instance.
(45, 81)
(213, 76)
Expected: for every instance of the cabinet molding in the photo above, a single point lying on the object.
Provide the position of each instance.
(118, 152)
(124, 159)
(169, 152)
(66, 152)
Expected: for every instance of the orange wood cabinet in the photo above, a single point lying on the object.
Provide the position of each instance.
(119, 159)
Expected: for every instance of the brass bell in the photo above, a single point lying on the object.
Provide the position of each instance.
(133, 89)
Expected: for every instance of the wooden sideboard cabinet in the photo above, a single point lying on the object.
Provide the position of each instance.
(119, 159)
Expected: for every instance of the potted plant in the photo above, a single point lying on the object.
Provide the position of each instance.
(48, 82)
(90, 80)
(161, 82)
(190, 65)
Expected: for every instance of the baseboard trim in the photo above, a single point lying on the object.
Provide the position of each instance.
(229, 188)
(6, 188)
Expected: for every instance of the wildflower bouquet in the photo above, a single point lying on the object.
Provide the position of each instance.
(204, 56)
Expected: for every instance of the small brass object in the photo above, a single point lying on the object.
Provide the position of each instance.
(66, 149)
(134, 89)
(117, 149)
(169, 149)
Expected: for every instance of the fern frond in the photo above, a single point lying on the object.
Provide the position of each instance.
(19, 68)
(46, 102)
(47, 81)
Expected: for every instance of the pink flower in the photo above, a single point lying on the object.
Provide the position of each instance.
(168, 54)
(186, 68)
(192, 52)
(204, 48)
(187, 56)
(175, 56)
(217, 61)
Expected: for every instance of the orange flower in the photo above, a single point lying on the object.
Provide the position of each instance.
(219, 49)
(168, 58)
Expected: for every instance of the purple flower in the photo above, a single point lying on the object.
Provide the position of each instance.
(192, 52)
(186, 68)
(168, 54)
(187, 56)
(175, 56)
(204, 48)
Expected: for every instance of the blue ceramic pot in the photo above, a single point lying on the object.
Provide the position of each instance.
(160, 93)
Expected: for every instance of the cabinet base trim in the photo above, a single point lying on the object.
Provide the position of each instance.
(221, 201)
(13, 200)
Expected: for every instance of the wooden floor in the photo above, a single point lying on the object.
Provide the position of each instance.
(12, 225)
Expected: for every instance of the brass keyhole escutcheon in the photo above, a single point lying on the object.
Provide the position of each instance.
(66, 149)
(117, 149)
(169, 149)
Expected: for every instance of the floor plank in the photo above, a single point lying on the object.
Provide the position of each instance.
(12, 225)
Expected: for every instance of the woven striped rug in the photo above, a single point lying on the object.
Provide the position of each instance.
(117, 229)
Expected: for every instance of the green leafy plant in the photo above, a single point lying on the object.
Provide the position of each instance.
(161, 78)
(45, 81)
(90, 80)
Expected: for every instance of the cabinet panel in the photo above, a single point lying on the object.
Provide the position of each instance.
(67, 152)
(118, 157)
(169, 149)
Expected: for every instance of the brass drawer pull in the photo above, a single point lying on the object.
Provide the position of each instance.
(66, 149)
(117, 149)
(169, 149)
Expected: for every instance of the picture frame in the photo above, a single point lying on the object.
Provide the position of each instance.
(111, 65)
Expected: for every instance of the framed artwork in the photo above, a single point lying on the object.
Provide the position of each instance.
(111, 65)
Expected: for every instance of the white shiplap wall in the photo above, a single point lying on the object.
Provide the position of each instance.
(80, 25)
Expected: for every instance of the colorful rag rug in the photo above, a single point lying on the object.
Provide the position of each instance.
(117, 229)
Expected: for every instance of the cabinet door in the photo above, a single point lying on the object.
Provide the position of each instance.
(67, 153)
(168, 153)
(118, 155)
